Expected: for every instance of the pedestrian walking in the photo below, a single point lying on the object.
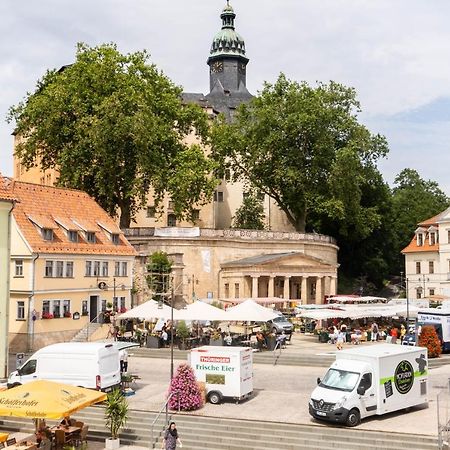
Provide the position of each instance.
(171, 438)
(340, 340)
(123, 361)
(374, 330)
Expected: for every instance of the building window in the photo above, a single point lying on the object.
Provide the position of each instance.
(56, 308)
(236, 290)
(59, 269)
(448, 236)
(218, 196)
(418, 267)
(105, 267)
(88, 269)
(46, 307)
(227, 290)
(117, 269)
(195, 214)
(432, 238)
(48, 268)
(431, 266)
(123, 269)
(66, 308)
(171, 205)
(431, 291)
(227, 175)
(18, 271)
(171, 220)
(72, 235)
(122, 304)
(20, 310)
(151, 212)
(69, 269)
(419, 293)
(115, 238)
(47, 234)
(90, 237)
(96, 272)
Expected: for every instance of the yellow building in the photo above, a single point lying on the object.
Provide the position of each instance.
(6, 206)
(69, 260)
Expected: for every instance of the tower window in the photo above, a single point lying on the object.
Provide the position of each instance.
(171, 220)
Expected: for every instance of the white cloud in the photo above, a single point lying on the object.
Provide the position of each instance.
(393, 52)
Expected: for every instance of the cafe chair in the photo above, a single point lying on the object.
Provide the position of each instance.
(46, 444)
(81, 437)
(2, 444)
(78, 424)
(60, 439)
(11, 441)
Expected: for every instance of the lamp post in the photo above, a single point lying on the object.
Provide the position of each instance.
(172, 294)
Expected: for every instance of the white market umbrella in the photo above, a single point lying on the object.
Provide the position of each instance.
(148, 310)
(200, 311)
(250, 311)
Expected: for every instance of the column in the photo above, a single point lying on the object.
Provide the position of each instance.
(319, 292)
(255, 281)
(327, 285)
(271, 287)
(286, 290)
(333, 284)
(304, 291)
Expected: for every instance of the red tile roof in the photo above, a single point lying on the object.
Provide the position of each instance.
(5, 189)
(62, 209)
(412, 247)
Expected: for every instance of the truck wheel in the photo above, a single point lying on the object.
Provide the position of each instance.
(214, 397)
(14, 385)
(353, 418)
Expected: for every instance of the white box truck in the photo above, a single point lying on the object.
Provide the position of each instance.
(226, 371)
(369, 381)
(86, 364)
(440, 320)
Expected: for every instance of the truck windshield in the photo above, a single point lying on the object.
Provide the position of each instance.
(340, 380)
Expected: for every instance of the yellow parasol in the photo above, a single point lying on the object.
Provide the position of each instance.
(46, 400)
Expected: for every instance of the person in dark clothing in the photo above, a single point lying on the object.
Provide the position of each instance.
(171, 438)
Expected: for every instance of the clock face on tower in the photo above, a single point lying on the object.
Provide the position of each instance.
(241, 68)
(217, 66)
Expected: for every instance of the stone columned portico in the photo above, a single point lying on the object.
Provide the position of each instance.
(235, 263)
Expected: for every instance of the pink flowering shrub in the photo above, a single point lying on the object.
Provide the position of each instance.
(187, 393)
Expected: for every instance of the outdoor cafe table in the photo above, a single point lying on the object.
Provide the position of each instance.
(67, 430)
(3, 437)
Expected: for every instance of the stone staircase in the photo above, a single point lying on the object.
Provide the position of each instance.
(286, 358)
(212, 433)
(85, 334)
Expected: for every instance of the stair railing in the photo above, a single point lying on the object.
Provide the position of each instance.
(94, 320)
(165, 409)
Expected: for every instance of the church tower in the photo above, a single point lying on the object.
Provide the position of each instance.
(227, 63)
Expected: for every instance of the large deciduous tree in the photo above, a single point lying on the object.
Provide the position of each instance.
(304, 147)
(114, 126)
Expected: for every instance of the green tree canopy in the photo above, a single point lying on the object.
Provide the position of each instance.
(303, 146)
(159, 268)
(250, 215)
(114, 126)
(414, 200)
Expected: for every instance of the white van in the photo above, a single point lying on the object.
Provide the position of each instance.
(90, 365)
(369, 381)
(226, 371)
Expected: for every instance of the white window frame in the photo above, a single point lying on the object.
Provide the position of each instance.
(88, 269)
(59, 269)
(49, 268)
(20, 310)
(18, 269)
(68, 272)
(105, 268)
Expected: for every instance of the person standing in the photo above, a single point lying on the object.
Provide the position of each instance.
(123, 361)
(340, 339)
(374, 331)
(171, 438)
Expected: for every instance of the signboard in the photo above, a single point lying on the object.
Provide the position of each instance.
(177, 232)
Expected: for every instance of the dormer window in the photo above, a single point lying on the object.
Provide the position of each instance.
(72, 235)
(420, 239)
(432, 238)
(115, 238)
(90, 237)
(47, 234)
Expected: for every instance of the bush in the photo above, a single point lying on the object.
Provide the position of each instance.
(187, 393)
(428, 338)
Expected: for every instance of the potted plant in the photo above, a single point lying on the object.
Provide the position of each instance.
(153, 340)
(47, 315)
(182, 334)
(116, 415)
(67, 314)
(216, 338)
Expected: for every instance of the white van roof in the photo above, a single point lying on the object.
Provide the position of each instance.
(75, 347)
(380, 350)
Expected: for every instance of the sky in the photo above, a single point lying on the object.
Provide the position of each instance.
(394, 53)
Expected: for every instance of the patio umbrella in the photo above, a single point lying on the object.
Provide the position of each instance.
(46, 400)
(250, 311)
(148, 310)
(199, 311)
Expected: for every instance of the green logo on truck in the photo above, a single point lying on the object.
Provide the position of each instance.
(404, 377)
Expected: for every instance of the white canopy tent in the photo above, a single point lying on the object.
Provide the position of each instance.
(250, 311)
(259, 300)
(199, 311)
(147, 311)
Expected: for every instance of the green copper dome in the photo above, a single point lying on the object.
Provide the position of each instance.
(227, 41)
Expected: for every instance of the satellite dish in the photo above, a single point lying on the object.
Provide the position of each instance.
(102, 285)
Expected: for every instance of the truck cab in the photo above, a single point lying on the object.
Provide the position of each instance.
(345, 394)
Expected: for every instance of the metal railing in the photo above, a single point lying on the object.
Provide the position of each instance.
(443, 419)
(277, 351)
(90, 323)
(164, 408)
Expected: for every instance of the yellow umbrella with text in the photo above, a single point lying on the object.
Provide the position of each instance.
(46, 400)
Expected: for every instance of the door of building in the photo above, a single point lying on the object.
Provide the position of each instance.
(93, 308)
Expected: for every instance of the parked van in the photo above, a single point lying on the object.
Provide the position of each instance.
(90, 365)
(369, 381)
